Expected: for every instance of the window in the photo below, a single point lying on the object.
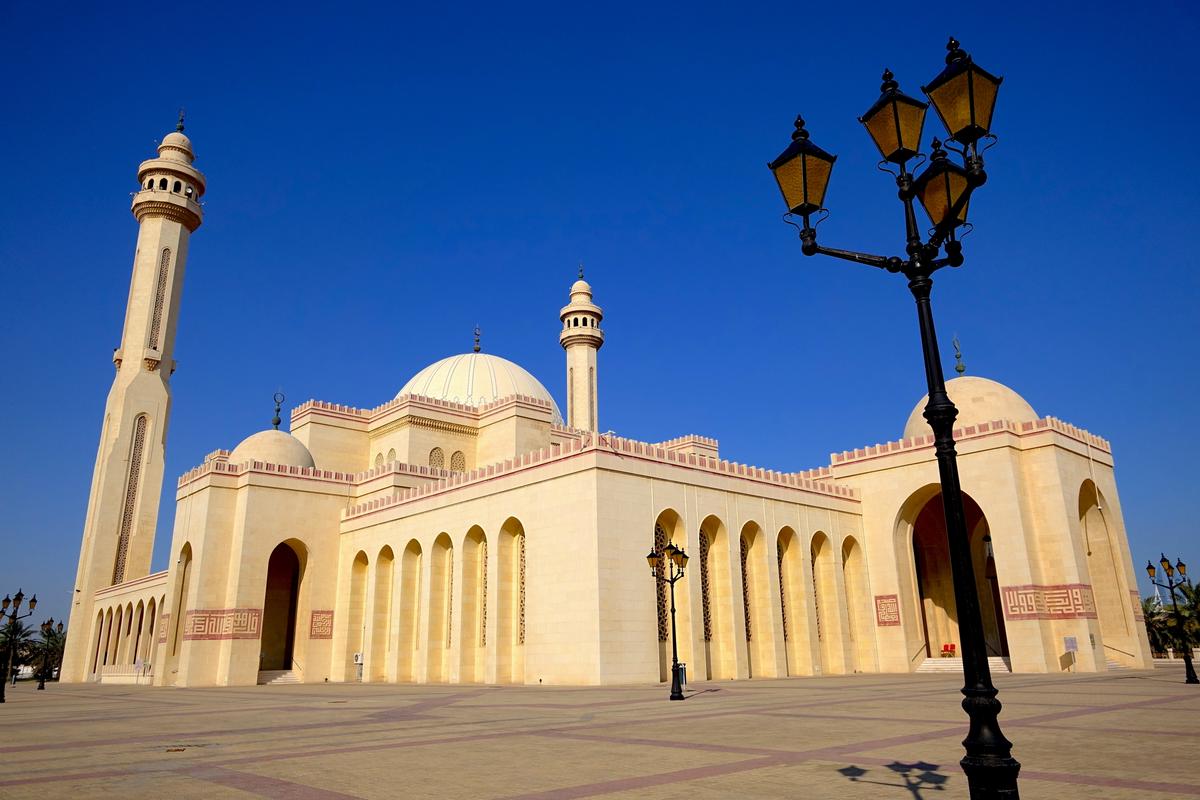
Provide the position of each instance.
(150, 183)
(391, 458)
(162, 183)
(178, 187)
(189, 191)
(437, 459)
(379, 460)
(458, 461)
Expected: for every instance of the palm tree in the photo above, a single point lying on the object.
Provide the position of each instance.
(50, 649)
(18, 637)
(1156, 625)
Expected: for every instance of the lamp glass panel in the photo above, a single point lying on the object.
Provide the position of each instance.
(1150, 570)
(953, 102)
(912, 119)
(790, 177)
(985, 99)
(939, 194)
(882, 127)
(818, 179)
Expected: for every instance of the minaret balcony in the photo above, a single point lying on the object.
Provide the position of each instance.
(165, 203)
(593, 337)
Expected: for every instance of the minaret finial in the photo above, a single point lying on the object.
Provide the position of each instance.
(279, 398)
(179, 125)
(477, 332)
(959, 366)
(580, 270)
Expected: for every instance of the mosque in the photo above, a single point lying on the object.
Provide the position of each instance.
(466, 531)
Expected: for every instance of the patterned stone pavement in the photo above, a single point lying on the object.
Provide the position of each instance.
(1119, 735)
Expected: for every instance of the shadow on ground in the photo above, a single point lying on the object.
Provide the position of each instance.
(914, 778)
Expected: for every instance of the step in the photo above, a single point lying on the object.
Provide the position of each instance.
(277, 677)
(1112, 665)
(952, 665)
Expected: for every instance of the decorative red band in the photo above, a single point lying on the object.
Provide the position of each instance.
(1062, 601)
(222, 623)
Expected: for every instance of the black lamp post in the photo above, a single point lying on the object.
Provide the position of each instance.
(668, 567)
(963, 96)
(1170, 586)
(48, 629)
(12, 617)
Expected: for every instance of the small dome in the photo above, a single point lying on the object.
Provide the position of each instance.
(272, 447)
(177, 147)
(581, 287)
(474, 379)
(978, 400)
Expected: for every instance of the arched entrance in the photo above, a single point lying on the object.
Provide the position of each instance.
(938, 613)
(280, 599)
(1114, 612)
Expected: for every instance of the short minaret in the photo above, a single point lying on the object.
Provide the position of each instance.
(582, 338)
(118, 533)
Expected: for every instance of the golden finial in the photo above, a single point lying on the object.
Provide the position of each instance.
(959, 367)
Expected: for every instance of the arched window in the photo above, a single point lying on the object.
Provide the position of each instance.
(189, 191)
(391, 457)
(577, 322)
(437, 459)
(458, 461)
(178, 187)
(379, 459)
(162, 183)
(160, 297)
(150, 183)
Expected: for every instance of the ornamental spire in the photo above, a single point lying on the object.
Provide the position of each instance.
(179, 125)
(279, 398)
(959, 367)
(477, 332)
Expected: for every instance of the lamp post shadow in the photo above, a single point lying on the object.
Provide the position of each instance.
(917, 777)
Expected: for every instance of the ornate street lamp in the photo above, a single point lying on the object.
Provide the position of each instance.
(1185, 643)
(48, 630)
(13, 617)
(668, 567)
(964, 96)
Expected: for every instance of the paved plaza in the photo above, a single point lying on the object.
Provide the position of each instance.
(1116, 735)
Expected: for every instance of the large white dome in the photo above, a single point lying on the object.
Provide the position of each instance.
(474, 379)
(978, 400)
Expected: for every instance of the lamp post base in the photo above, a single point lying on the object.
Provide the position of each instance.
(991, 778)
(1189, 671)
(676, 686)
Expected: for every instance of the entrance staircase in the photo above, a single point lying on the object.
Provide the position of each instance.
(1112, 665)
(277, 677)
(952, 665)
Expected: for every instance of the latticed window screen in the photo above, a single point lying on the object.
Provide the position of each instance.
(437, 458)
(521, 595)
(660, 544)
(704, 602)
(131, 493)
(483, 593)
(745, 589)
(458, 461)
(160, 296)
(782, 598)
(816, 605)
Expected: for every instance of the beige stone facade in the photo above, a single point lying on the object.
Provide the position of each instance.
(467, 532)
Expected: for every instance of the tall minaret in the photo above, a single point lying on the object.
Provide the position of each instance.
(118, 532)
(582, 338)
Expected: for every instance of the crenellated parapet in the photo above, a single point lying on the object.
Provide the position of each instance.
(626, 448)
(972, 432)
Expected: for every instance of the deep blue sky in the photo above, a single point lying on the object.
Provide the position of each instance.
(382, 179)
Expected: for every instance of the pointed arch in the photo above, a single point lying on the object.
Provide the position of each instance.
(1108, 577)
(758, 624)
(721, 656)
(281, 602)
(794, 602)
(441, 609)
(409, 611)
(829, 634)
(473, 628)
(381, 611)
(356, 613)
(859, 607)
(510, 605)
